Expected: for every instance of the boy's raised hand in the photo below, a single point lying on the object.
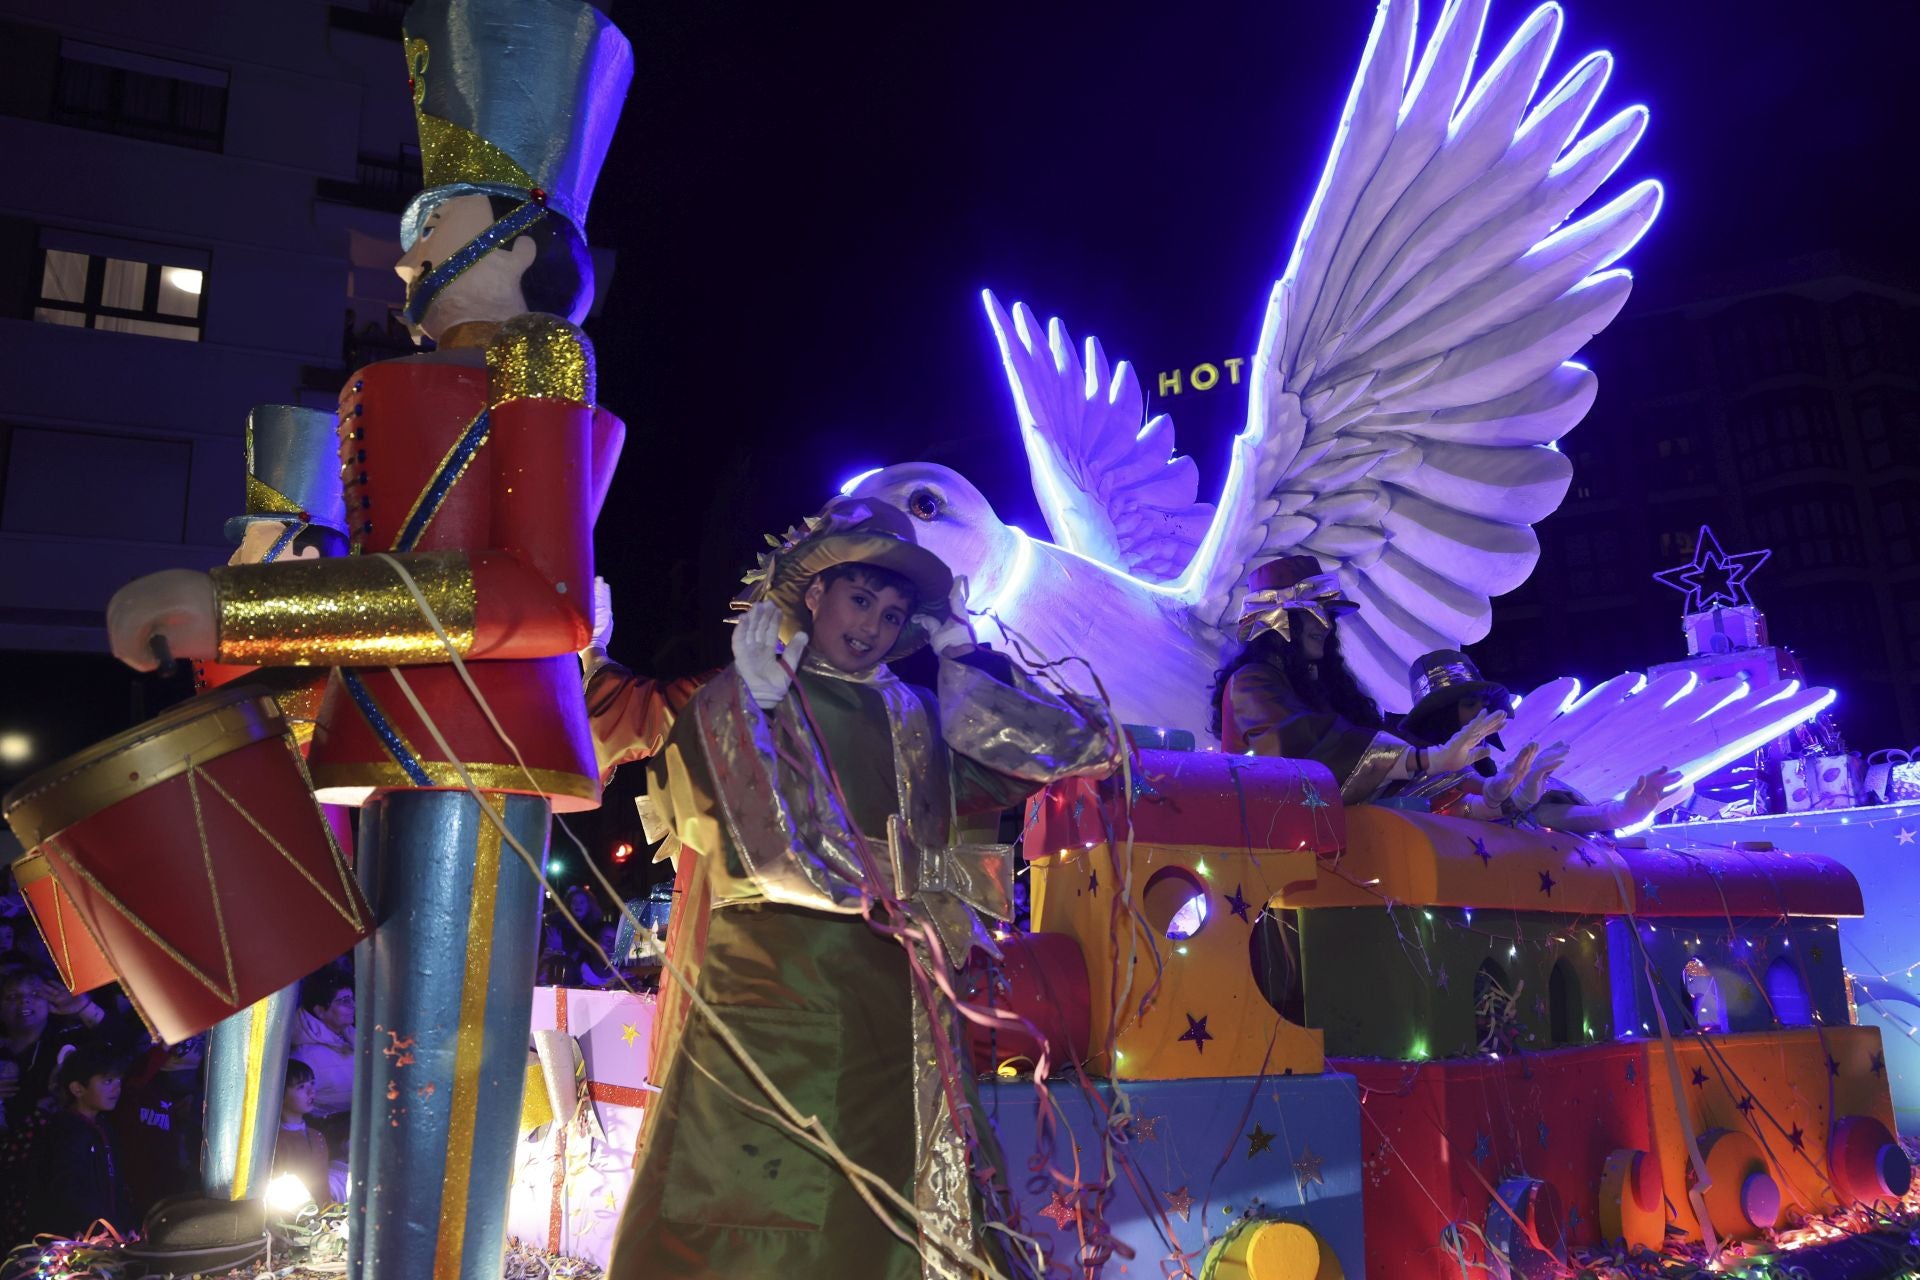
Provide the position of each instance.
(757, 654)
(952, 636)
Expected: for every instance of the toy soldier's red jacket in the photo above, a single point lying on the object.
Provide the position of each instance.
(479, 474)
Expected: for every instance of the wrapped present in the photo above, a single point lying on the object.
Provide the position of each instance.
(1893, 775)
(575, 1160)
(1823, 782)
(1725, 630)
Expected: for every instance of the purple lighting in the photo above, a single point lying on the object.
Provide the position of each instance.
(1713, 577)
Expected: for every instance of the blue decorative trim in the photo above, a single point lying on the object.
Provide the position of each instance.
(451, 468)
(383, 728)
(281, 543)
(421, 296)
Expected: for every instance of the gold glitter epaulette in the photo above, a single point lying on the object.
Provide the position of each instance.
(540, 357)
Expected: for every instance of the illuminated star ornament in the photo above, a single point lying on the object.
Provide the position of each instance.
(629, 1033)
(1713, 577)
(1257, 1141)
(1307, 1168)
(1180, 1202)
(1237, 904)
(1060, 1211)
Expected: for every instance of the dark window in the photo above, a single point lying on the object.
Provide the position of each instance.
(132, 94)
(120, 294)
(1566, 1010)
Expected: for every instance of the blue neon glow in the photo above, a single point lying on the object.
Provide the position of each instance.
(846, 490)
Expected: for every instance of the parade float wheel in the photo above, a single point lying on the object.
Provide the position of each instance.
(1744, 1200)
(1632, 1204)
(1267, 1250)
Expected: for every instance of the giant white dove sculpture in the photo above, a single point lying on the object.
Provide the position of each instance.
(1413, 371)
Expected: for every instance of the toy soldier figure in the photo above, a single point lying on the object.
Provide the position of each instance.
(472, 476)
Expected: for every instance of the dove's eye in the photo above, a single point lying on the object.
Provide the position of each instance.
(923, 504)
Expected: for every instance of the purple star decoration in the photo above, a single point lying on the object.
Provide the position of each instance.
(1237, 904)
(1713, 577)
(1197, 1032)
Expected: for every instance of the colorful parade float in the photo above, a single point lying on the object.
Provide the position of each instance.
(1276, 1015)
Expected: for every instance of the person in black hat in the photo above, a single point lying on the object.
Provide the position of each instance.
(1288, 693)
(819, 790)
(1450, 692)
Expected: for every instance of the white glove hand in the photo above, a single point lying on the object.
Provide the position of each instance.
(1534, 785)
(1648, 795)
(175, 605)
(757, 653)
(1463, 749)
(953, 637)
(1501, 785)
(602, 614)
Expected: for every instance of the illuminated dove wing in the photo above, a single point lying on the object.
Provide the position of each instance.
(1630, 725)
(1108, 484)
(1414, 365)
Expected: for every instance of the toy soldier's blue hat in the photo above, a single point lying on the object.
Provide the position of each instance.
(515, 98)
(293, 461)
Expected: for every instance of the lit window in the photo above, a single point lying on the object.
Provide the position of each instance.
(120, 294)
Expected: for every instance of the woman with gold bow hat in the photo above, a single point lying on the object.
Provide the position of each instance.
(1288, 692)
(820, 792)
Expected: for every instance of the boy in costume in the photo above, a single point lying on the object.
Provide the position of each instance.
(819, 791)
(472, 477)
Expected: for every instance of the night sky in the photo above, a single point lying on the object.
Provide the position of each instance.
(806, 204)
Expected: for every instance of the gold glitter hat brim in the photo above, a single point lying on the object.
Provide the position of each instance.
(794, 569)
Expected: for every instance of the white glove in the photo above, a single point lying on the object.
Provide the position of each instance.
(757, 653)
(953, 637)
(1534, 785)
(1647, 796)
(1501, 785)
(1463, 748)
(602, 614)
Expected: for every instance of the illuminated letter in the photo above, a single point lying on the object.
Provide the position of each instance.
(1209, 372)
(1233, 369)
(1170, 380)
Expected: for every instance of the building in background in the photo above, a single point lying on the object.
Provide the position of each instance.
(203, 219)
(1781, 405)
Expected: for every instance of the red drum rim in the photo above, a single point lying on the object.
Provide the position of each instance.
(200, 729)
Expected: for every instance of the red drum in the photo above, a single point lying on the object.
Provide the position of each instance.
(193, 851)
(83, 966)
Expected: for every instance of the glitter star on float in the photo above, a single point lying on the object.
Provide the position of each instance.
(1797, 1138)
(629, 1033)
(1238, 905)
(1833, 1067)
(1713, 577)
(1546, 1134)
(1197, 1032)
(1632, 1074)
(1145, 1127)
(1903, 836)
(1257, 1141)
(1546, 883)
(1060, 1211)
(1180, 1202)
(1699, 1077)
(1651, 889)
(1307, 1169)
(1093, 882)
(1480, 851)
(1482, 1148)
(1746, 1105)
(1879, 1064)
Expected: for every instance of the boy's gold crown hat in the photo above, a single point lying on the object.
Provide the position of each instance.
(849, 531)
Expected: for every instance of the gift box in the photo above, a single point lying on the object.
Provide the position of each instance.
(572, 1172)
(1725, 630)
(1893, 775)
(1823, 782)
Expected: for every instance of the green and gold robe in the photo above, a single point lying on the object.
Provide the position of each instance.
(823, 1003)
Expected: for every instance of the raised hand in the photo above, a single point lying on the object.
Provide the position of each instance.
(1534, 785)
(952, 636)
(1465, 748)
(1500, 787)
(757, 654)
(602, 614)
(1649, 794)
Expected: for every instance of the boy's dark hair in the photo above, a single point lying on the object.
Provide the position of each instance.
(560, 281)
(298, 1073)
(15, 974)
(90, 1058)
(317, 990)
(873, 577)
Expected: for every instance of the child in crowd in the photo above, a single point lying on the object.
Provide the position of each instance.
(323, 1039)
(300, 1149)
(78, 1179)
